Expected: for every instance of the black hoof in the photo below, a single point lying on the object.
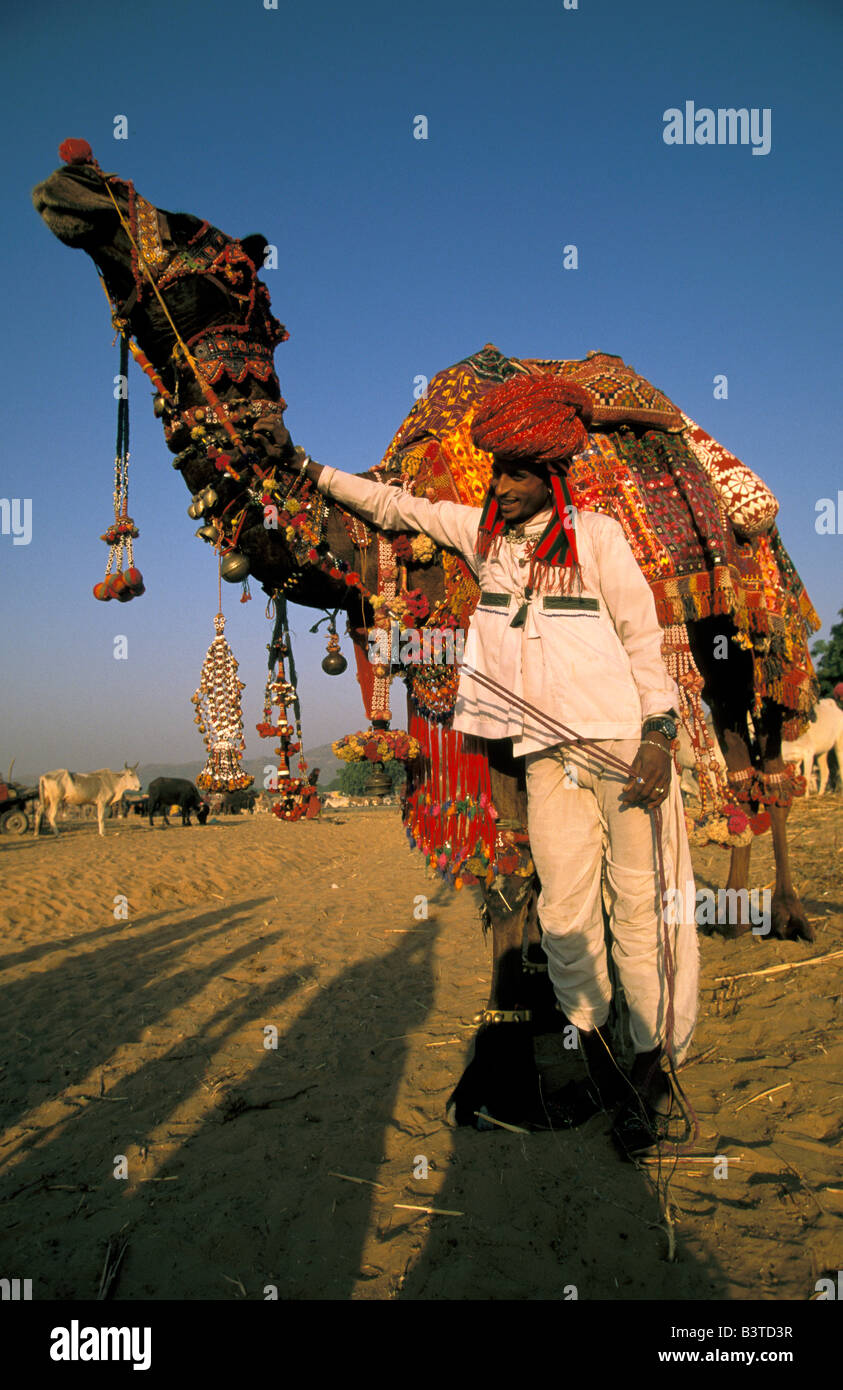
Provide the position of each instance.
(501, 1080)
(789, 922)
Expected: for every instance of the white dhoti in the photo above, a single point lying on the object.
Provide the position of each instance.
(579, 831)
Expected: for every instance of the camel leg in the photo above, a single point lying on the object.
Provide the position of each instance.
(502, 1078)
(736, 753)
(788, 915)
(728, 690)
(540, 992)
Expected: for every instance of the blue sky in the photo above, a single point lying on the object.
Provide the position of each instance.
(397, 257)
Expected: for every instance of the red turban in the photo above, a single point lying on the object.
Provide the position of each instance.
(540, 419)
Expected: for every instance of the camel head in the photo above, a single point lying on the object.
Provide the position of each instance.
(206, 279)
(220, 310)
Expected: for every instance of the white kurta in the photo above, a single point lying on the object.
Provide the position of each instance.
(591, 659)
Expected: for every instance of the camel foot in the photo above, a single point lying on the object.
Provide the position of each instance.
(732, 931)
(788, 920)
(501, 1079)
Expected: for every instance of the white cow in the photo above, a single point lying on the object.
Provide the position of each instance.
(817, 741)
(101, 788)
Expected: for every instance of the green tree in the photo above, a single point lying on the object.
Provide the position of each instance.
(828, 658)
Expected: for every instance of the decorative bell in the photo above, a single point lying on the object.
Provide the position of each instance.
(208, 532)
(234, 567)
(158, 405)
(208, 498)
(334, 664)
(377, 783)
(195, 509)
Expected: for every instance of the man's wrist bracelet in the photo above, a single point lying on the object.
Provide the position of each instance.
(653, 744)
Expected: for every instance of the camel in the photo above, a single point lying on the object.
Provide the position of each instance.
(235, 454)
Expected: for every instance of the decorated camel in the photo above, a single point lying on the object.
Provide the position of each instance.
(701, 525)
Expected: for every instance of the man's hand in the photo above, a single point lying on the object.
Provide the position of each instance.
(293, 461)
(650, 781)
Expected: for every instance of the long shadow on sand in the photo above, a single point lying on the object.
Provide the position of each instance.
(248, 1195)
(552, 1216)
(113, 986)
(555, 1214)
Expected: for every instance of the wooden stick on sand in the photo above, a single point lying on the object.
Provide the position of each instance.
(776, 969)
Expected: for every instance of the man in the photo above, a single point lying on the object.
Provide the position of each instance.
(567, 623)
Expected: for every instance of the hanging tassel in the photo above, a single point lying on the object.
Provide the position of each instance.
(119, 583)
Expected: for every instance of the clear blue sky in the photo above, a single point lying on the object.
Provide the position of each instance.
(397, 257)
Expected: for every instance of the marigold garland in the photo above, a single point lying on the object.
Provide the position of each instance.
(376, 746)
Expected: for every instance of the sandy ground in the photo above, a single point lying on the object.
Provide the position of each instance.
(140, 1046)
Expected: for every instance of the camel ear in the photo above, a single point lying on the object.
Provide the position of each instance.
(255, 248)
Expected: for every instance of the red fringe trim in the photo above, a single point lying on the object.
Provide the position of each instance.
(443, 775)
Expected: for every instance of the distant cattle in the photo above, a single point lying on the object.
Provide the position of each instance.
(825, 733)
(231, 803)
(165, 792)
(102, 788)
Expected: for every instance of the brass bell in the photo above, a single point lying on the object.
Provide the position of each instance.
(208, 498)
(377, 783)
(234, 567)
(195, 509)
(334, 664)
(158, 405)
(208, 532)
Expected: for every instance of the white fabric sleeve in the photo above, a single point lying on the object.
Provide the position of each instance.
(633, 611)
(390, 509)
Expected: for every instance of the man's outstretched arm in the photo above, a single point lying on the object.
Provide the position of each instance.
(390, 509)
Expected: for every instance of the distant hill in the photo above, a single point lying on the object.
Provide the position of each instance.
(321, 757)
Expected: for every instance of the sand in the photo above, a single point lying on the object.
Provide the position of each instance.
(264, 1045)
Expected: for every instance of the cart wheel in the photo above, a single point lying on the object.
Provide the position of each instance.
(14, 823)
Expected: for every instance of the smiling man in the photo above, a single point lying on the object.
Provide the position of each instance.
(566, 623)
